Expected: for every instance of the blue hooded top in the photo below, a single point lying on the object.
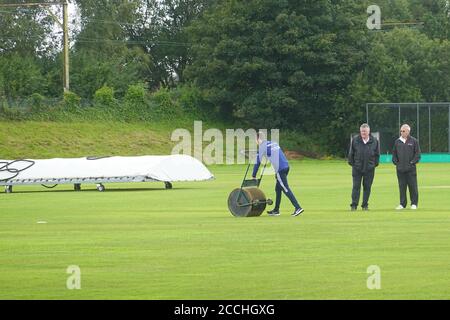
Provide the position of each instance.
(274, 153)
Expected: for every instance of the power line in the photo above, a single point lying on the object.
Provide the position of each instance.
(111, 41)
(20, 12)
(143, 23)
(122, 23)
(29, 4)
(161, 43)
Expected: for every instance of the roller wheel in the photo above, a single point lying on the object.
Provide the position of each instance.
(168, 185)
(100, 187)
(246, 202)
(8, 189)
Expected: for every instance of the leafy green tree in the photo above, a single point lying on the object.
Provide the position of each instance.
(26, 30)
(433, 14)
(27, 45)
(277, 63)
(22, 76)
(160, 30)
(102, 53)
(403, 65)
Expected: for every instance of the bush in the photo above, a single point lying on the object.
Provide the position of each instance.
(104, 97)
(135, 95)
(71, 100)
(191, 100)
(11, 113)
(36, 102)
(164, 106)
(135, 103)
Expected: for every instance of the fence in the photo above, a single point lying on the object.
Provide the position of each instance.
(429, 121)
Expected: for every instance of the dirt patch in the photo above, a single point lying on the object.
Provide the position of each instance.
(293, 155)
(298, 155)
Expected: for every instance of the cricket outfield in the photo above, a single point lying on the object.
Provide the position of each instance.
(140, 241)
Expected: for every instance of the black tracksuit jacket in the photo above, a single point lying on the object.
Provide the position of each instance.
(364, 157)
(406, 155)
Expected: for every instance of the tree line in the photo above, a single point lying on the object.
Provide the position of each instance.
(302, 65)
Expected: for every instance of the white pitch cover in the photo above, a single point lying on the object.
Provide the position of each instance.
(161, 168)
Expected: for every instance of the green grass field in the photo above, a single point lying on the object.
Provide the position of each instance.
(139, 241)
(36, 139)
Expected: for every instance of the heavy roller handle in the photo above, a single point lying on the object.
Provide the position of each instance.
(253, 182)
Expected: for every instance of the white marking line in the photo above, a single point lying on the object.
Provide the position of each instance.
(41, 222)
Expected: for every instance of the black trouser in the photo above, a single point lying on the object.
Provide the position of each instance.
(408, 179)
(367, 179)
(282, 185)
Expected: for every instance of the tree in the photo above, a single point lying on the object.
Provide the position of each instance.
(160, 30)
(277, 63)
(27, 47)
(26, 30)
(403, 65)
(21, 76)
(103, 54)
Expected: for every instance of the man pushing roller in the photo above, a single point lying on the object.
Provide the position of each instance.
(272, 151)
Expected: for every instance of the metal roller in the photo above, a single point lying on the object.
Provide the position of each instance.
(247, 202)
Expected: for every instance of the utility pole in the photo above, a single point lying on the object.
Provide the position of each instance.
(63, 25)
(66, 46)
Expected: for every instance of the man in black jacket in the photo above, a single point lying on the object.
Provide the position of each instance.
(405, 155)
(364, 156)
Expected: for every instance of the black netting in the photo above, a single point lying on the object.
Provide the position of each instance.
(429, 123)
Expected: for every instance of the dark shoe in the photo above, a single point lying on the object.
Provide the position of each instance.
(273, 213)
(365, 208)
(353, 208)
(297, 212)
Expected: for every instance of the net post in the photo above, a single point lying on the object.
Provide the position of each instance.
(418, 123)
(367, 114)
(429, 128)
(449, 128)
